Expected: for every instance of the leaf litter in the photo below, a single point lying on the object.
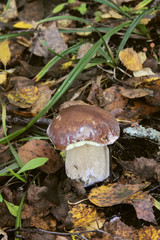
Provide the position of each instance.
(54, 203)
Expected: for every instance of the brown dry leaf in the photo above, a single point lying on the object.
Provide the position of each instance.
(137, 111)
(119, 230)
(27, 211)
(33, 193)
(112, 194)
(141, 81)
(112, 99)
(87, 217)
(52, 37)
(25, 97)
(5, 54)
(130, 59)
(44, 95)
(143, 205)
(83, 49)
(46, 223)
(40, 148)
(135, 93)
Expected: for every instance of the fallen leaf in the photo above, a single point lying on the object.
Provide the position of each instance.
(86, 217)
(143, 205)
(83, 49)
(40, 148)
(3, 77)
(112, 194)
(135, 93)
(143, 72)
(23, 25)
(5, 54)
(113, 99)
(130, 59)
(44, 95)
(52, 37)
(24, 97)
(118, 229)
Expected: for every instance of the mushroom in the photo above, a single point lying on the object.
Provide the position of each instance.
(84, 131)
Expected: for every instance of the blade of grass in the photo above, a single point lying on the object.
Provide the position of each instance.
(142, 4)
(69, 80)
(16, 175)
(7, 5)
(54, 60)
(15, 34)
(114, 6)
(18, 218)
(129, 31)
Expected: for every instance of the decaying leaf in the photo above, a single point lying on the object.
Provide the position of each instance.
(5, 54)
(52, 37)
(44, 95)
(25, 97)
(143, 205)
(40, 148)
(86, 217)
(112, 194)
(118, 229)
(130, 59)
(135, 93)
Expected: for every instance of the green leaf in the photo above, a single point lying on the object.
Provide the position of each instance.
(1, 198)
(82, 9)
(13, 209)
(156, 203)
(59, 7)
(32, 164)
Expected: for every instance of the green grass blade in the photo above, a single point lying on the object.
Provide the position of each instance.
(69, 80)
(18, 218)
(14, 35)
(16, 175)
(130, 29)
(114, 6)
(54, 60)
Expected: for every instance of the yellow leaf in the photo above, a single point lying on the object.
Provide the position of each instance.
(5, 53)
(67, 64)
(112, 194)
(25, 97)
(3, 77)
(23, 25)
(86, 217)
(130, 59)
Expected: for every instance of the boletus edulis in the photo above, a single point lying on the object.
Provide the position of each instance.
(84, 131)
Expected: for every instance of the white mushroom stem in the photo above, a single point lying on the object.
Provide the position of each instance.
(88, 163)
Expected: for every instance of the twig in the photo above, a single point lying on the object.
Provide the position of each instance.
(78, 234)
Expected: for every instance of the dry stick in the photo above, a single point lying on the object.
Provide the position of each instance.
(78, 234)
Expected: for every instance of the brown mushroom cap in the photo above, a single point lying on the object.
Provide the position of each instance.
(83, 123)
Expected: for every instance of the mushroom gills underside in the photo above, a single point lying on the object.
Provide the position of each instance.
(88, 164)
